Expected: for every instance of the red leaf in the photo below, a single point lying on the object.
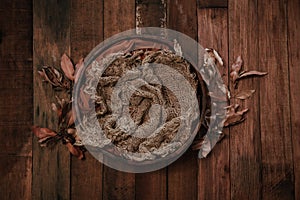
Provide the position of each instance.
(43, 132)
(67, 67)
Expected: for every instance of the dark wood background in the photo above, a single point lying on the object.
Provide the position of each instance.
(258, 159)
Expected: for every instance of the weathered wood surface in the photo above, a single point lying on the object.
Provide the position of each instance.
(258, 159)
(245, 161)
(51, 38)
(275, 120)
(212, 3)
(16, 107)
(293, 27)
(85, 34)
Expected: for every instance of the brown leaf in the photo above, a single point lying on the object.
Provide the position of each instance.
(252, 73)
(66, 116)
(51, 75)
(233, 116)
(235, 69)
(244, 94)
(75, 151)
(43, 132)
(67, 66)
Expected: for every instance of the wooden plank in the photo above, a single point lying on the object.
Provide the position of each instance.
(51, 37)
(213, 174)
(87, 32)
(182, 174)
(16, 110)
(150, 13)
(118, 16)
(245, 145)
(118, 185)
(15, 34)
(212, 3)
(294, 72)
(277, 160)
(152, 185)
(15, 173)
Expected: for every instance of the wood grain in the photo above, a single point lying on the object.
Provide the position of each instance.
(294, 72)
(86, 33)
(51, 38)
(151, 185)
(259, 160)
(16, 101)
(154, 184)
(213, 173)
(245, 159)
(182, 183)
(277, 159)
(212, 3)
(118, 16)
(15, 182)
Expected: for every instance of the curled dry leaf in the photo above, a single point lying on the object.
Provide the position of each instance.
(67, 66)
(233, 116)
(67, 133)
(236, 73)
(244, 94)
(66, 118)
(51, 75)
(251, 73)
(43, 132)
(76, 151)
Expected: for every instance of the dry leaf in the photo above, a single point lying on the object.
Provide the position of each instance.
(233, 116)
(235, 69)
(51, 75)
(75, 151)
(66, 115)
(251, 73)
(67, 67)
(244, 94)
(43, 132)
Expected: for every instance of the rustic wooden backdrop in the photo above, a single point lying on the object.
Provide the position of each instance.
(258, 159)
